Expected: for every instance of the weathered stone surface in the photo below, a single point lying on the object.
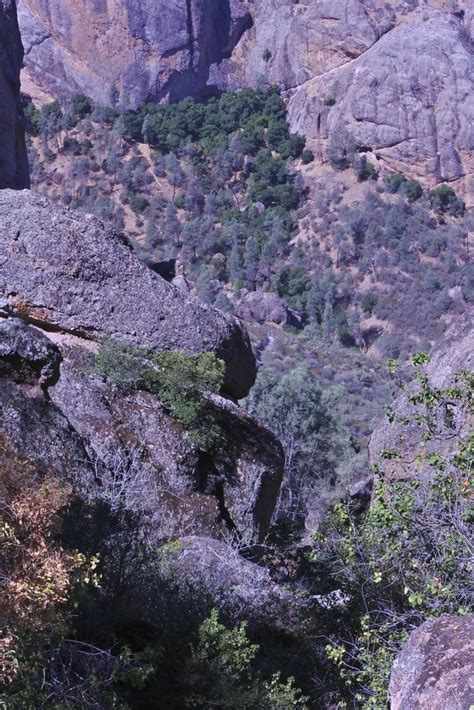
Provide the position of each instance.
(14, 171)
(143, 47)
(26, 355)
(234, 488)
(77, 282)
(265, 307)
(435, 668)
(69, 272)
(453, 354)
(32, 430)
(408, 99)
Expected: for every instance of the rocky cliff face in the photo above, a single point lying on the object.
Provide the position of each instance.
(13, 160)
(67, 282)
(395, 79)
(435, 668)
(142, 47)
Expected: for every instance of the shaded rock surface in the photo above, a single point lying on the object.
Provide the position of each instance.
(70, 272)
(453, 354)
(142, 47)
(66, 282)
(233, 488)
(435, 668)
(32, 429)
(13, 159)
(243, 588)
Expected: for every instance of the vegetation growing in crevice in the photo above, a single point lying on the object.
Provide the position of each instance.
(182, 382)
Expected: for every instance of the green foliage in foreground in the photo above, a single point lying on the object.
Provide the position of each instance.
(221, 673)
(181, 381)
(409, 557)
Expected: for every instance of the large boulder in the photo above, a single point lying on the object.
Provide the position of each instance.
(231, 489)
(67, 271)
(14, 171)
(435, 668)
(146, 48)
(266, 307)
(68, 282)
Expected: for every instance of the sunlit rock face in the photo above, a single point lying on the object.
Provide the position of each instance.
(137, 48)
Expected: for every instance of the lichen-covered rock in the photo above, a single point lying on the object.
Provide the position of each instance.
(14, 171)
(142, 48)
(453, 354)
(67, 271)
(435, 668)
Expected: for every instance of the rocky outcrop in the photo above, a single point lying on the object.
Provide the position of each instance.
(66, 271)
(146, 48)
(394, 79)
(68, 282)
(266, 307)
(13, 160)
(406, 101)
(33, 432)
(435, 668)
(453, 354)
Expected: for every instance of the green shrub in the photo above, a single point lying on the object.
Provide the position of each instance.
(394, 181)
(365, 170)
(407, 558)
(138, 203)
(307, 156)
(444, 200)
(180, 380)
(413, 190)
(329, 101)
(221, 673)
(368, 302)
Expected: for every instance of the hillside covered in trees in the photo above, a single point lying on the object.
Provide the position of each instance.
(236, 362)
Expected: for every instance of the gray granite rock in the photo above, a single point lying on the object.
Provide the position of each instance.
(26, 354)
(435, 668)
(67, 271)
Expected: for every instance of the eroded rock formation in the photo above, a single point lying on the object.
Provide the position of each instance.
(395, 79)
(67, 271)
(144, 48)
(435, 668)
(67, 282)
(406, 101)
(13, 160)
